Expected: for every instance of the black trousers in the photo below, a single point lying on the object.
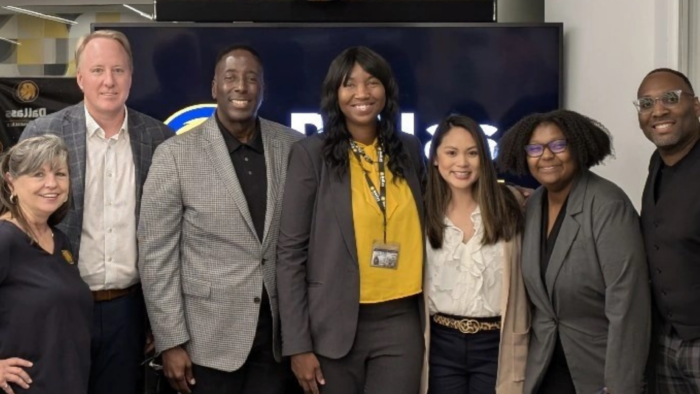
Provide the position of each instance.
(387, 355)
(260, 374)
(462, 363)
(118, 340)
(558, 379)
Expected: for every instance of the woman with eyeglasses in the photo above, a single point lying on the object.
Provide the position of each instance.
(583, 261)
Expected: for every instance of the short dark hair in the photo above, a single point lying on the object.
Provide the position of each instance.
(588, 140)
(676, 73)
(239, 47)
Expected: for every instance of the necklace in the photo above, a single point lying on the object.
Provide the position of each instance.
(358, 150)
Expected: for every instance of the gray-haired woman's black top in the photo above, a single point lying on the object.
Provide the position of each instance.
(45, 312)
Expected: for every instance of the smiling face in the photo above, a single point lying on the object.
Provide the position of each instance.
(104, 76)
(238, 87)
(555, 171)
(40, 194)
(457, 159)
(361, 98)
(669, 128)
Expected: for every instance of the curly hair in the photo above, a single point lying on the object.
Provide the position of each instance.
(588, 140)
(336, 143)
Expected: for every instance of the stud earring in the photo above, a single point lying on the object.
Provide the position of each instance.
(13, 199)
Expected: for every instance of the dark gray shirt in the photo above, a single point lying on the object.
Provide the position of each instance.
(671, 225)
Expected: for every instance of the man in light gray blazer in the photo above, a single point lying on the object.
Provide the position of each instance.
(208, 236)
(110, 148)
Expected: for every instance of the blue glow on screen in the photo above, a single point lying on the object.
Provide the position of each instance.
(495, 74)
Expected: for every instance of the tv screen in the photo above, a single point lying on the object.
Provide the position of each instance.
(494, 73)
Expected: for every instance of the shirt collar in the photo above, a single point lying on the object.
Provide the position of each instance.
(94, 128)
(232, 143)
(475, 217)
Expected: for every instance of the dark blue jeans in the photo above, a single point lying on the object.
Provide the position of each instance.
(462, 363)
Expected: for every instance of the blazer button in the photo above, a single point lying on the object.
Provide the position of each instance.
(663, 292)
(256, 300)
(658, 270)
(669, 314)
(656, 247)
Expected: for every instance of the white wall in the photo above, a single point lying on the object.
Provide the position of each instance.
(609, 46)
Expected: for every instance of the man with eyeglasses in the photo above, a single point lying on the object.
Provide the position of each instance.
(668, 115)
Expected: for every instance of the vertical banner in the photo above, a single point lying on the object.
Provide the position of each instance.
(25, 99)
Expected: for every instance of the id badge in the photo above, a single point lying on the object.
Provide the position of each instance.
(384, 255)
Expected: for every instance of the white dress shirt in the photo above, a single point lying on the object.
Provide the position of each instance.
(464, 279)
(108, 250)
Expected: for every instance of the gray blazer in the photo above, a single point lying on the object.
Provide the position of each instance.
(145, 134)
(317, 273)
(202, 265)
(598, 299)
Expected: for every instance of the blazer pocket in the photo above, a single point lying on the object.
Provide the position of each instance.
(313, 283)
(196, 288)
(521, 343)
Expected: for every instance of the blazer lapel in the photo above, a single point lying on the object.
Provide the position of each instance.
(140, 150)
(342, 194)
(76, 141)
(221, 161)
(567, 233)
(414, 184)
(531, 253)
(273, 164)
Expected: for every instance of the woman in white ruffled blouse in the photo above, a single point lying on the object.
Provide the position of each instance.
(473, 284)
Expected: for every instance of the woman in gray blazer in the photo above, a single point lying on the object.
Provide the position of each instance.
(583, 261)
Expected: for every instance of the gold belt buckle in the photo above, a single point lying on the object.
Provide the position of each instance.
(468, 326)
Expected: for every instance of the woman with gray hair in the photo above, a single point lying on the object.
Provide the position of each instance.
(45, 307)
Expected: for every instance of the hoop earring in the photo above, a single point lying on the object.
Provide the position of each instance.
(13, 199)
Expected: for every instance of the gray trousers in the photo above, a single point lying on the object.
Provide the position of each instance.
(678, 364)
(387, 355)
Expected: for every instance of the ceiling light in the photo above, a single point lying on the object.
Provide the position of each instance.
(143, 14)
(39, 15)
(10, 41)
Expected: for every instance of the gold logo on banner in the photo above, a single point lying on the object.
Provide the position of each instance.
(27, 91)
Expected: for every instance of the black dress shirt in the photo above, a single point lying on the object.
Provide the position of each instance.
(558, 377)
(549, 240)
(671, 225)
(249, 163)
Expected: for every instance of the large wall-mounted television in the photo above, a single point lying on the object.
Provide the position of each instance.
(495, 73)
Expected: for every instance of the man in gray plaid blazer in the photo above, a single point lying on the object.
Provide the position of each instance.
(207, 241)
(110, 149)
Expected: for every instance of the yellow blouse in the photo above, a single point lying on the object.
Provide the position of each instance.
(403, 227)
